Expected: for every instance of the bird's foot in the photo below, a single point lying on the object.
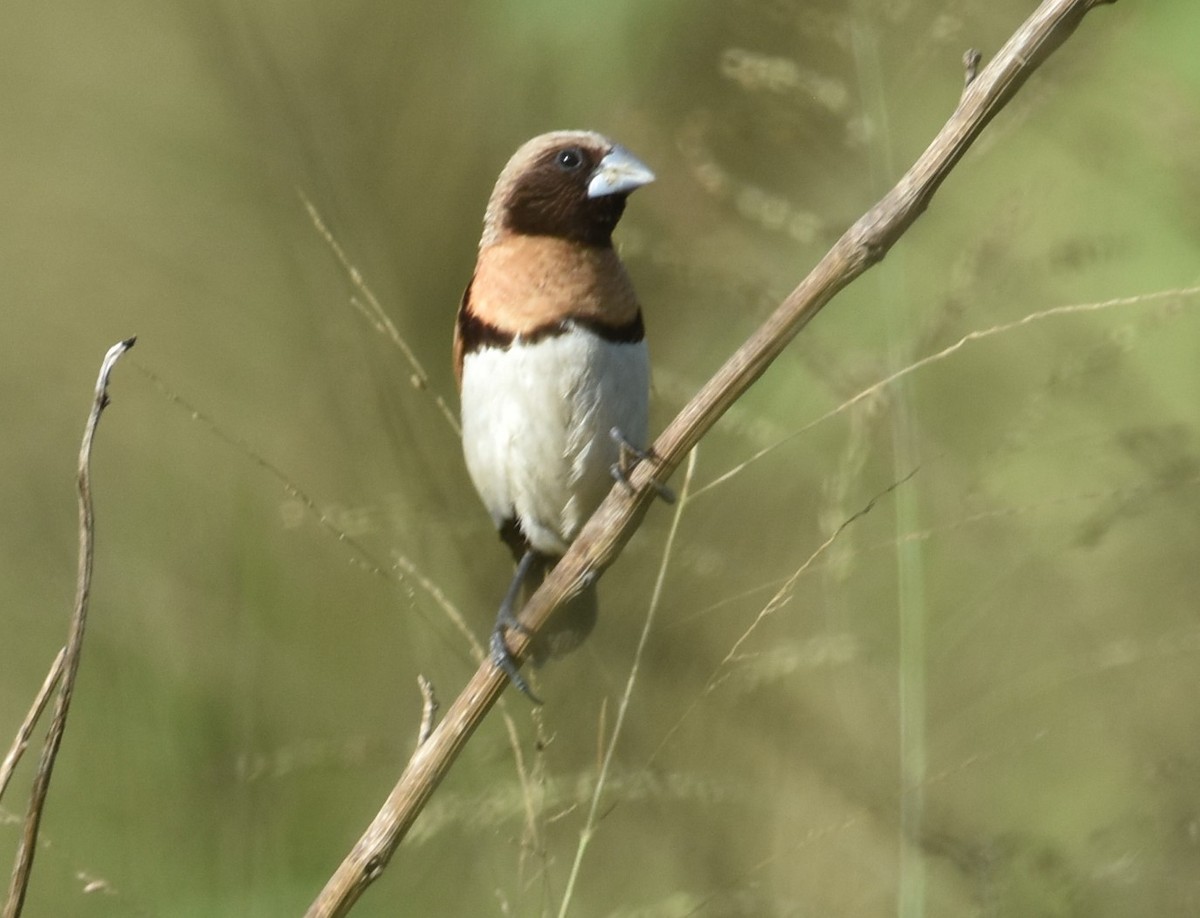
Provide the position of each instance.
(506, 620)
(629, 456)
(503, 660)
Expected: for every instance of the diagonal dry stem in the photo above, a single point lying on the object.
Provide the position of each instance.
(402, 572)
(375, 314)
(35, 712)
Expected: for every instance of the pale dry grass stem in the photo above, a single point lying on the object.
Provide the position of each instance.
(21, 740)
(781, 598)
(1181, 293)
(605, 764)
(374, 313)
(402, 572)
(27, 846)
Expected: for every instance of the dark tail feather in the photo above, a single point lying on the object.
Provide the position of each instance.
(571, 622)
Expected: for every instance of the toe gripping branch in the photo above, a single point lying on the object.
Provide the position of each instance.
(506, 620)
(630, 455)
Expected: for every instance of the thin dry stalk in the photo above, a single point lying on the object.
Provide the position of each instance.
(35, 712)
(862, 246)
(374, 313)
(980, 334)
(592, 820)
(83, 587)
(402, 572)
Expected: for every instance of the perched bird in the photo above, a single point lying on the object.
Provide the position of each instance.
(551, 361)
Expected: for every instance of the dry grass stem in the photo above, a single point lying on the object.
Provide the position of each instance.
(374, 313)
(27, 847)
(402, 572)
(21, 740)
(949, 350)
(589, 825)
(778, 600)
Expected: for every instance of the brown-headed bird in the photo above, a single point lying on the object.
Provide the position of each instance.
(551, 361)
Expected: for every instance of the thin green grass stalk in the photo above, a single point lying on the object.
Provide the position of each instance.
(910, 585)
(912, 612)
(589, 826)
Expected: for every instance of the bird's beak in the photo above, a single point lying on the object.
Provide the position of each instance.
(620, 172)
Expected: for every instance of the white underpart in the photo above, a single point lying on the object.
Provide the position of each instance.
(536, 421)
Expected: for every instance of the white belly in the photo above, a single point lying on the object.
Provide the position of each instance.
(536, 421)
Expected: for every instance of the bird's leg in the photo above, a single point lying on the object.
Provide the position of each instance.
(630, 455)
(506, 618)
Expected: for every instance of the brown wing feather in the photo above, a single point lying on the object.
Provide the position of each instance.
(464, 311)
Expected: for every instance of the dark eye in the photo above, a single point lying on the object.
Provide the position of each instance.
(569, 159)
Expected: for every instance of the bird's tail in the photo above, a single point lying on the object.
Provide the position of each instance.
(571, 622)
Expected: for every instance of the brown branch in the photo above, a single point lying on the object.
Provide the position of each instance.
(83, 586)
(21, 740)
(864, 244)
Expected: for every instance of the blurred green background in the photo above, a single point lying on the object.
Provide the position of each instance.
(979, 699)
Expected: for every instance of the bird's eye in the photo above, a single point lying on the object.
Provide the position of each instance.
(569, 159)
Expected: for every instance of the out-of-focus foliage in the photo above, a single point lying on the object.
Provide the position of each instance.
(978, 698)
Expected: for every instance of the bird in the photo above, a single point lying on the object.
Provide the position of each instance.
(552, 365)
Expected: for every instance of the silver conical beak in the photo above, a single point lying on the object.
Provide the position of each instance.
(620, 172)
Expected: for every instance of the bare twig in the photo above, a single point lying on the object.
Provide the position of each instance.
(601, 540)
(35, 712)
(83, 585)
